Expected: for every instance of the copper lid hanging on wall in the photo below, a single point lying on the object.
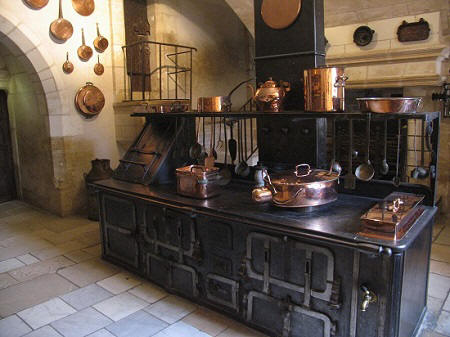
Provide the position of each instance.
(89, 100)
(280, 14)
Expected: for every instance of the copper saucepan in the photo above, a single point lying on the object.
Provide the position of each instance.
(83, 7)
(61, 29)
(218, 103)
(84, 52)
(100, 43)
(36, 4)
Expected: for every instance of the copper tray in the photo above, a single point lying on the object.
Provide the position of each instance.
(392, 217)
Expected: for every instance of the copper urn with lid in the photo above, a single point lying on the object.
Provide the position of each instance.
(270, 95)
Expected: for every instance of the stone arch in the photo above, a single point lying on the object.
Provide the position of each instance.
(20, 40)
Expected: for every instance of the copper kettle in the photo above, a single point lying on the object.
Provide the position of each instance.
(270, 95)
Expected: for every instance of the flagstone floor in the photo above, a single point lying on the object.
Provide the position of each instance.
(53, 283)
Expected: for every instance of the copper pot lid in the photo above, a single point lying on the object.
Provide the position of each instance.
(36, 4)
(89, 100)
(280, 14)
(302, 175)
(84, 7)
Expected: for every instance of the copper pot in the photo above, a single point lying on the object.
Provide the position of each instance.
(218, 103)
(303, 187)
(324, 89)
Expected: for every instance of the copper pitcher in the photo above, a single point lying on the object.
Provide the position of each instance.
(270, 95)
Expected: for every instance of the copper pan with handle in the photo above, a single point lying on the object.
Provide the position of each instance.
(84, 7)
(36, 4)
(61, 29)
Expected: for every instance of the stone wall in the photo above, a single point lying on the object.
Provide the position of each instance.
(345, 12)
(74, 140)
(224, 44)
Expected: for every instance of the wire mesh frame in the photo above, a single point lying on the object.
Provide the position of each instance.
(163, 60)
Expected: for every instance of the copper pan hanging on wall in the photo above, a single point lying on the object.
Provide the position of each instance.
(84, 52)
(280, 14)
(89, 100)
(36, 4)
(100, 43)
(61, 29)
(83, 7)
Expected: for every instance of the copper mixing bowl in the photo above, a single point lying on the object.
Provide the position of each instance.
(390, 104)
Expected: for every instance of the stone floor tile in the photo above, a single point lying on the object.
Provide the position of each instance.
(440, 268)
(443, 323)
(428, 333)
(94, 250)
(438, 286)
(171, 309)
(60, 225)
(440, 253)
(41, 268)
(78, 256)
(446, 306)
(120, 306)
(45, 331)
(88, 272)
(28, 241)
(148, 292)
(45, 313)
(91, 238)
(444, 236)
(437, 229)
(181, 329)
(87, 296)
(208, 321)
(61, 249)
(24, 295)
(13, 326)
(102, 333)
(139, 324)
(434, 305)
(240, 330)
(119, 283)
(6, 280)
(81, 323)
(27, 259)
(10, 264)
(11, 252)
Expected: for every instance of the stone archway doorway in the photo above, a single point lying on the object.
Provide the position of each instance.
(7, 179)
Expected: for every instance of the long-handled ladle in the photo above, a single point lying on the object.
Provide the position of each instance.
(365, 171)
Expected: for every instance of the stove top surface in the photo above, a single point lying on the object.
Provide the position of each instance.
(339, 219)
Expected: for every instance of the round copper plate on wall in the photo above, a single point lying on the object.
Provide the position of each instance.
(36, 4)
(83, 7)
(280, 14)
(89, 100)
